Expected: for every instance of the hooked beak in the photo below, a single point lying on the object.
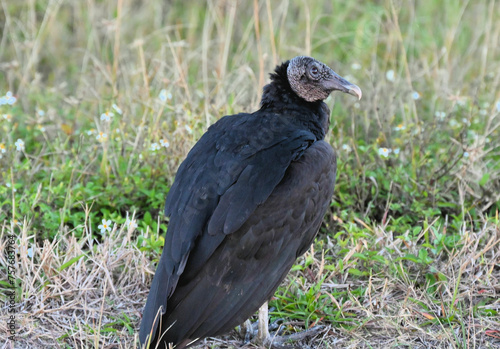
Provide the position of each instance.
(336, 82)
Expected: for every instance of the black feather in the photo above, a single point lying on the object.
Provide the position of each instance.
(247, 200)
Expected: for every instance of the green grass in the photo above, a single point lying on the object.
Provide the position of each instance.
(408, 253)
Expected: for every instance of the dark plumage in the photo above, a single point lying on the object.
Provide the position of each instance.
(247, 201)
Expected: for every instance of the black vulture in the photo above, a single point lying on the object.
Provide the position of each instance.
(246, 202)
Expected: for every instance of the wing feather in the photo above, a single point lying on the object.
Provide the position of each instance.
(227, 174)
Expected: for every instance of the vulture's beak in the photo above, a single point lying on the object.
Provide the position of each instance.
(336, 82)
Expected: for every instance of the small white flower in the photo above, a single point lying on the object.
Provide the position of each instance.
(2, 148)
(415, 95)
(440, 115)
(107, 116)
(8, 185)
(140, 156)
(164, 95)
(356, 105)
(384, 152)
(131, 223)
(19, 145)
(30, 252)
(154, 147)
(389, 75)
(117, 109)
(498, 106)
(461, 102)
(10, 98)
(466, 154)
(483, 112)
(396, 151)
(346, 147)
(188, 129)
(106, 225)
(466, 121)
(41, 128)
(91, 132)
(40, 112)
(3, 100)
(400, 127)
(164, 143)
(453, 123)
(101, 136)
(356, 66)
(7, 117)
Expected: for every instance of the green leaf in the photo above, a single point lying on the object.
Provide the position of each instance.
(70, 262)
(484, 179)
(411, 257)
(360, 256)
(5, 284)
(147, 218)
(417, 230)
(357, 272)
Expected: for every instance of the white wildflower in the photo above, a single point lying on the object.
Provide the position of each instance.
(384, 152)
(106, 225)
(117, 109)
(19, 145)
(389, 75)
(356, 66)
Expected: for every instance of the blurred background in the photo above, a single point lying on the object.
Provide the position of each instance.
(100, 101)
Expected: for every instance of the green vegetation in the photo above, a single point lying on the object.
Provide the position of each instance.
(107, 98)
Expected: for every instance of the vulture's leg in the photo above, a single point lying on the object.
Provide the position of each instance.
(263, 337)
(279, 342)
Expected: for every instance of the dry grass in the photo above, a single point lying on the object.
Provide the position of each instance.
(81, 292)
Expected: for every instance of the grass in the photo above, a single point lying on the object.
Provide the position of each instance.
(407, 256)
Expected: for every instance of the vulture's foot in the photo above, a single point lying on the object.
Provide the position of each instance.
(247, 331)
(287, 342)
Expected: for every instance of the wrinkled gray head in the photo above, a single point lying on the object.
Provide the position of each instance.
(314, 81)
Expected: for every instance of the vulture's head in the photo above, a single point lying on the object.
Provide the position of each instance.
(314, 81)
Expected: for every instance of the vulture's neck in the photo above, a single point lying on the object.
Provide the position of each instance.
(278, 97)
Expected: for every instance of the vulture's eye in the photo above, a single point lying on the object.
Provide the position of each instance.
(314, 72)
